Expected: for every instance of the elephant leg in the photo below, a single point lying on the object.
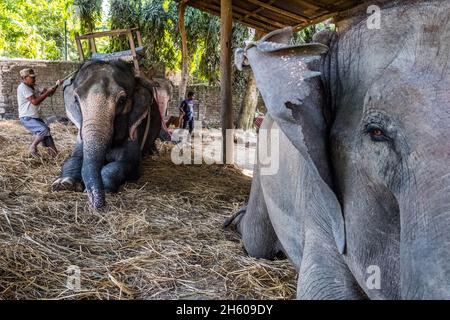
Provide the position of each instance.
(123, 165)
(324, 275)
(258, 235)
(70, 178)
(115, 174)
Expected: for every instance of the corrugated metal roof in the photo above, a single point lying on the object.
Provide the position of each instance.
(269, 15)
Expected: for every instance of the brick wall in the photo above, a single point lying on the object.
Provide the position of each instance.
(47, 72)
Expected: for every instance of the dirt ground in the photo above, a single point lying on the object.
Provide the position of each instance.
(158, 238)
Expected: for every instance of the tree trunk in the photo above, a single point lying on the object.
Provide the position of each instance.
(184, 51)
(249, 104)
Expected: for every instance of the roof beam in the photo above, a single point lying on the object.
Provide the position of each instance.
(252, 22)
(315, 21)
(264, 19)
(254, 12)
(317, 4)
(283, 12)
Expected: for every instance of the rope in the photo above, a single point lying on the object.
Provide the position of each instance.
(51, 97)
(147, 126)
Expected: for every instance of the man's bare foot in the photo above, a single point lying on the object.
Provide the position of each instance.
(33, 152)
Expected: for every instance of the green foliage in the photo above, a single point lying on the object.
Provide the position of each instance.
(306, 35)
(158, 21)
(159, 25)
(33, 28)
(89, 12)
(123, 14)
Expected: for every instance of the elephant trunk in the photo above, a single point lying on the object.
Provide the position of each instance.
(97, 135)
(425, 239)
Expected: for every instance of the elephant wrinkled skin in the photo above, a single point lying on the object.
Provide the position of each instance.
(364, 178)
(113, 111)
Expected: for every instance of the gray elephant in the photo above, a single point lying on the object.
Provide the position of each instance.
(363, 185)
(118, 120)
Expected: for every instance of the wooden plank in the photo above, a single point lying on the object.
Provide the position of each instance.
(139, 38)
(297, 17)
(258, 26)
(226, 19)
(106, 33)
(133, 50)
(254, 12)
(184, 52)
(79, 47)
(92, 45)
(315, 21)
(259, 17)
(318, 5)
(214, 9)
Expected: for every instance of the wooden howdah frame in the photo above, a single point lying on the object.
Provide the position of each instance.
(131, 54)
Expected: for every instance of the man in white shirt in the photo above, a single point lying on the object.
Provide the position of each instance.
(29, 97)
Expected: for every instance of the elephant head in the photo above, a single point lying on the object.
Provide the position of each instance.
(372, 135)
(108, 104)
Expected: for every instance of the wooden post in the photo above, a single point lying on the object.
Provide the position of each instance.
(184, 52)
(225, 81)
(79, 47)
(133, 50)
(139, 38)
(93, 46)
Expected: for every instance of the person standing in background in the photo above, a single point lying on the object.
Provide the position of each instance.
(187, 110)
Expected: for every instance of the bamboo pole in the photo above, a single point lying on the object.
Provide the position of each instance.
(225, 81)
(184, 51)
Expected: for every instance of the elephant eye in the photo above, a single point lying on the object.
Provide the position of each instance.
(122, 100)
(376, 133)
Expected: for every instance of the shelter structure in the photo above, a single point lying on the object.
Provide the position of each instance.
(264, 16)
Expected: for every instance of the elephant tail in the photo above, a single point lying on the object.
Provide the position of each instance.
(235, 219)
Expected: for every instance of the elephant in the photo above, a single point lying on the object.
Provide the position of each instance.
(360, 202)
(118, 121)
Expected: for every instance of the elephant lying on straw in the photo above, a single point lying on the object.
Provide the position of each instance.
(118, 119)
(363, 184)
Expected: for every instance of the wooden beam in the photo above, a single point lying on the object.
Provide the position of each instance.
(226, 21)
(133, 50)
(184, 52)
(92, 45)
(316, 4)
(261, 18)
(214, 9)
(139, 38)
(106, 33)
(282, 12)
(314, 21)
(79, 47)
(254, 12)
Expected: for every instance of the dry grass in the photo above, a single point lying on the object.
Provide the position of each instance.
(159, 238)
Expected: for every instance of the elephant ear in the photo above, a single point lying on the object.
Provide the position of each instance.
(272, 40)
(288, 78)
(283, 36)
(73, 110)
(140, 110)
(240, 61)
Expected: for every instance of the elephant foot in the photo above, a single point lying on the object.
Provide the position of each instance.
(67, 184)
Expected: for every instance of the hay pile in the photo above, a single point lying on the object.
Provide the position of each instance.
(159, 238)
